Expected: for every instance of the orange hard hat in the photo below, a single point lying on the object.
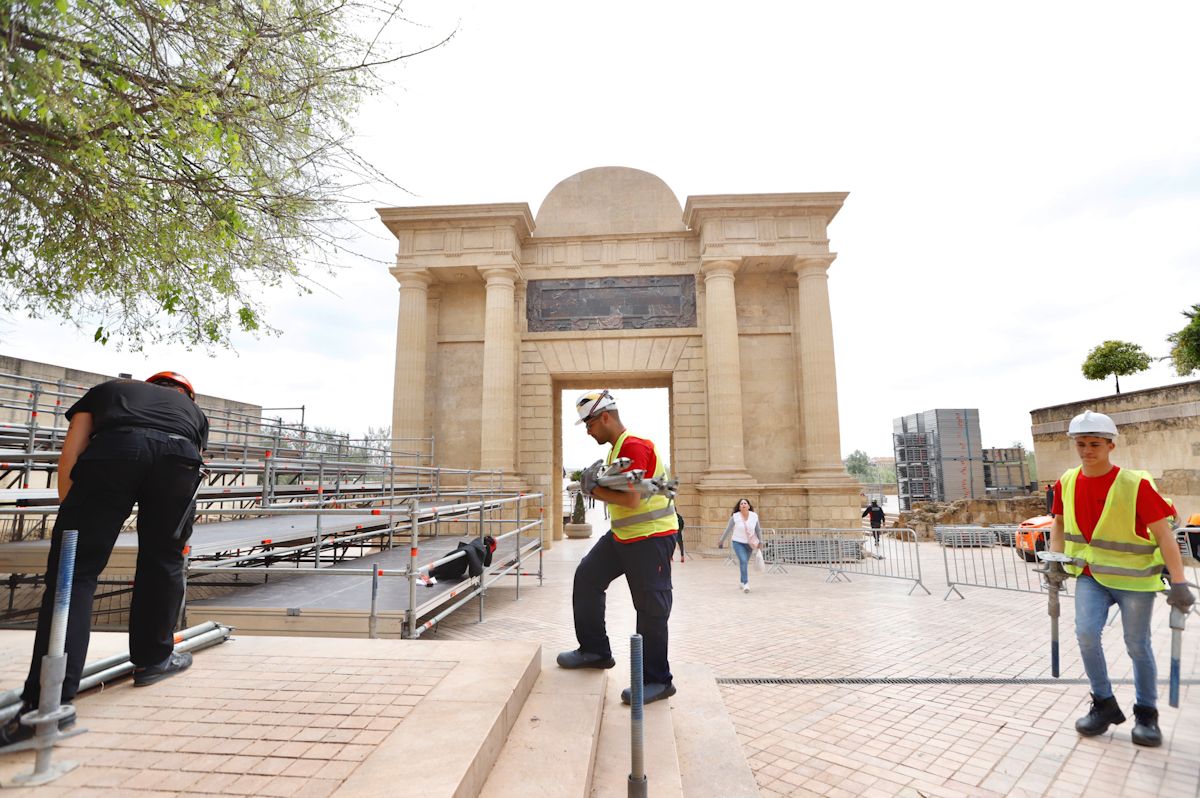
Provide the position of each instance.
(173, 378)
(1194, 519)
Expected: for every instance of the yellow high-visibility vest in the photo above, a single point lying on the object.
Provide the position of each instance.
(1116, 556)
(652, 516)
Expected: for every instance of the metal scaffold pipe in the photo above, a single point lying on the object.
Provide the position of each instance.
(107, 669)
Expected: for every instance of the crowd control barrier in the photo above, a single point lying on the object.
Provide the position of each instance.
(843, 552)
(995, 557)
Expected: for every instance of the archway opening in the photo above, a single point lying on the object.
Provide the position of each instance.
(645, 412)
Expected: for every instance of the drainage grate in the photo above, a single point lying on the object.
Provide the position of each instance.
(852, 680)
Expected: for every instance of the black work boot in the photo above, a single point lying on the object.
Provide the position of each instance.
(1104, 712)
(1145, 727)
(584, 659)
(176, 662)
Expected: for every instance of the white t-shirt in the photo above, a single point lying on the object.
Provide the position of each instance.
(744, 528)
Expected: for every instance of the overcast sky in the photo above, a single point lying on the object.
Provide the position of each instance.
(1024, 184)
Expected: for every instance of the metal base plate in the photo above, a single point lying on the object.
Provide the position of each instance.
(51, 773)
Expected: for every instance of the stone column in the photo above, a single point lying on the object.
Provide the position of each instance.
(820, 454)
(726, 450)
(408, 402)
(498, 439)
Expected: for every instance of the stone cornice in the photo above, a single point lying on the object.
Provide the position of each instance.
(702, 207)
(507, 214)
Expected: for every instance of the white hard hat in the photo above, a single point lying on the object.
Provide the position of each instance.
(592, 403)
(1089, 423)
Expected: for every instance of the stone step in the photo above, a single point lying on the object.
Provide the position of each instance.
(711, 761)
(690, 745)
(610, 777)
(552, 746)
(450, 741)
(572, 738)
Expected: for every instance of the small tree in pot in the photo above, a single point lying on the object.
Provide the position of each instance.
(579, 527)
(579, 514)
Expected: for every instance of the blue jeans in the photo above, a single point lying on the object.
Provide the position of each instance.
(1092, 601)
(742, 550)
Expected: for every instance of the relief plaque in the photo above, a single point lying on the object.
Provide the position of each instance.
(611, 303)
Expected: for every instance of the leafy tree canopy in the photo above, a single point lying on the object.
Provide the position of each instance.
(1116, 358)
(1185, 344)
(858, 464)
(161, 162)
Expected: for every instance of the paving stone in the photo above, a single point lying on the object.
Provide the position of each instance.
(300, 718)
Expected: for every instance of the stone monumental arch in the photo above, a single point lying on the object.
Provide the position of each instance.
(724, 302)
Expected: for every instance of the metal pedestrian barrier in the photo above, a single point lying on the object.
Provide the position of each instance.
(990, 557)
(843, 552)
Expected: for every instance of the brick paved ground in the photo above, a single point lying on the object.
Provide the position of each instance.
(246, 735)
(880, 739)
(254, 716)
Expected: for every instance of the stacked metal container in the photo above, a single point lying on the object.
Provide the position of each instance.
(939, 456)
(1005, 471)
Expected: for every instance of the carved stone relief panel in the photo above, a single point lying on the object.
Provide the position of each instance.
(611, 303)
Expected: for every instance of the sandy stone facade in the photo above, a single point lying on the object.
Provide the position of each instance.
(724, 302)
(1159, 432)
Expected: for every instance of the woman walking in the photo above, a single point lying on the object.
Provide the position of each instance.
(747, 536)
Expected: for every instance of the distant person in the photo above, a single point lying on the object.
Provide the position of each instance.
(746, 532)
(128, 442)
(876, 513)
(1116, 529)
(1049, 498)
(679, 538)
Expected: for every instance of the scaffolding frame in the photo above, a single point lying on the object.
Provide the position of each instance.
(261, 468)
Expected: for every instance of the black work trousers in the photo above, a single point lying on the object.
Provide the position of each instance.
(646, 565)
(119, 467)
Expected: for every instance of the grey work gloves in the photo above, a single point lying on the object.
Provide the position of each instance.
(1180, 597)
(588, 477)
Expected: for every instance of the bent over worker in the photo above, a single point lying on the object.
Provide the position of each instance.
(1115, 527)
(639, 546)
(127, 442)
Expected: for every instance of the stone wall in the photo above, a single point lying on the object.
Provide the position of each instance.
(1159, 433)
(75, 382)
(980, 512)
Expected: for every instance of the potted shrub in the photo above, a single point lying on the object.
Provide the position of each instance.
(579, 527)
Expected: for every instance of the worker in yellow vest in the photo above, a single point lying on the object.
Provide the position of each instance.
(1116, 529)
(639, 546)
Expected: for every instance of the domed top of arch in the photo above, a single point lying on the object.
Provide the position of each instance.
(609, 200)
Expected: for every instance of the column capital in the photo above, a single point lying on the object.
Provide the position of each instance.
(805, 266)
(504, 275)
(720, 267)
(408, 277)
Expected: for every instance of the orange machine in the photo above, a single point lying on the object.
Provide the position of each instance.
(1033, 535)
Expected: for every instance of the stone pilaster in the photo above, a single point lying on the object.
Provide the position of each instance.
(498, 439)
(726, 453)
(408, 402)
(820, 455)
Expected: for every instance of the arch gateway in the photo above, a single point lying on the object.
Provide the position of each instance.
(724, 302)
